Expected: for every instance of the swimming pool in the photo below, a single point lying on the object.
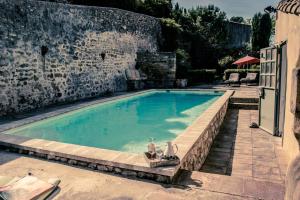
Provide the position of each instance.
(125, 124)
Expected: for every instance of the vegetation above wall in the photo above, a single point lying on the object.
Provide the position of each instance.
(199, 76)
(237, 19)
(170, 31)
(262, 30)
(156, 8)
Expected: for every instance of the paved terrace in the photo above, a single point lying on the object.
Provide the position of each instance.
(244, 152)
(243, 163)
(240, 92)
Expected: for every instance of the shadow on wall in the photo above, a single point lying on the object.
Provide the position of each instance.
(220, 162)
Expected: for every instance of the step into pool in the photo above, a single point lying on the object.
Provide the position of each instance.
(125, 124)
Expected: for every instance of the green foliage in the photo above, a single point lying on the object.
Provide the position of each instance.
(182, 55)
(156, 8)
(183, 64)
(226, 61)
(237, 19)
(203, 33)
(201, 76)
(170, 23)
(170, 30)
(203, 53)
(255, 67)
(273, 18)
(210, 22)
(256, 31)
(261, 31)
(124, 4)
(242, 72)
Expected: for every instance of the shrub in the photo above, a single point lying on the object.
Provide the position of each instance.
(255, 67)
(201, 76)
(242, 72)
(183, 64)
(131, 5)
(157, 8)
(170, 30)
(226, 61)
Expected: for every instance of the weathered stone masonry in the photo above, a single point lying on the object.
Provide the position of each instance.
(86, 51)
(160, 68)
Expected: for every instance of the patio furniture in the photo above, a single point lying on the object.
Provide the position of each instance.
(134, 79)
(234, 78)
(251, 78)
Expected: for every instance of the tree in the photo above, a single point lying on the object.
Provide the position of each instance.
(256, 32)
(131, 5)
(156, 8)
(211, 24)
(237, 19)
(266, 30)
(170, 30)
(261, 31)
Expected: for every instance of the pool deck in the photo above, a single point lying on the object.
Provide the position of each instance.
(190, 143)
(244, 152)
(245, 176)
(242, 91)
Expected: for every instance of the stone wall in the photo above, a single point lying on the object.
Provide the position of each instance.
(159, 68)
(52, 52)
(200, 150)
(239, 35)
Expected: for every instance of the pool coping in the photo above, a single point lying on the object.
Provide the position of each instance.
(123, 163)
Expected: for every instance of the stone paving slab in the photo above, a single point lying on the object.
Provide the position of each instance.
(78, 184)
(248, 92)
(251, 153)
(240, 186)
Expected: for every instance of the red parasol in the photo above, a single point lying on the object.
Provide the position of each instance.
(248, 60)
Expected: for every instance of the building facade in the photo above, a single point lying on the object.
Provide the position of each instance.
(288, 29)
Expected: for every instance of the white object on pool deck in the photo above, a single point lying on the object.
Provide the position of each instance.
(169, 152)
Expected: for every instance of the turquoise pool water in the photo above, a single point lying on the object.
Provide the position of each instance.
(125, 124)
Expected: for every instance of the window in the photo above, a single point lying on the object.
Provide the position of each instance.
(268, 68)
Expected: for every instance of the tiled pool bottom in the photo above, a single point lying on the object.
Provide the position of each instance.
(193, 144)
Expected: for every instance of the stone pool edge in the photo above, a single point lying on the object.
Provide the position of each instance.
(194, 143)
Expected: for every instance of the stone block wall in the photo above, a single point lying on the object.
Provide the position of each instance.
(199, 152)
(159, 68)
(239, 35)
(51, 52)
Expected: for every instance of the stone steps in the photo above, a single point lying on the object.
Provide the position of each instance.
(247, 188)
(244, 106)
(244, 103)
(244, 100)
